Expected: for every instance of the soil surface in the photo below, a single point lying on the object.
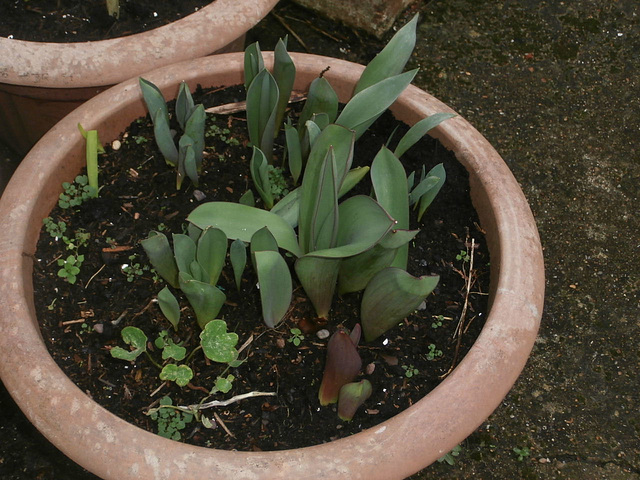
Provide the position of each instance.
(87, 20)
(115, 288)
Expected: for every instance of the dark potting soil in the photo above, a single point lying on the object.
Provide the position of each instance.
(82, 322)
(87, 20)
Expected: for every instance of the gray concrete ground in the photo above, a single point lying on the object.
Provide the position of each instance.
(555, 87)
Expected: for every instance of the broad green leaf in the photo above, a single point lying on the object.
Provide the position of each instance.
(193, 232)
(241, 221)
(363, 223)
(357, 271)
(294, 152)
(276, 289)
(263, 240)
(342, 366)
(351, 397)
(253, 63)
(340, 141)
(389, 297)
(217, 344)
(195, 129)
(211, 252)
(169, 306)
(426, 199)
(164, 139)
(392, 59)
(324, 227)
(184, 249)
(423, 187)
(184, 104)
(389, 181)
(136, 338)
(260, 177)
(284, 72)
(154, 99)
(238, 258)
(161, 257)
(289, 207)
(205, 299)
(262, 99)
(416, 132)
(313, 132)
(321, 120)
(248, 199)
(320, 99)
(366, 106)
(181, 374)
(351, 179)
(198, 273)
(318, 277)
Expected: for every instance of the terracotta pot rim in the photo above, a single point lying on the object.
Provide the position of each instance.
(110, 61)
(395, 448)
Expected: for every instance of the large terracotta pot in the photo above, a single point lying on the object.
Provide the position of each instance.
(42, 82)
(115, 449)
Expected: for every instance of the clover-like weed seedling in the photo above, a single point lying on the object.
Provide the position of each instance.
(217, 344)
(296, 336)
(169, 347)
(433, 352)
(136, 338)
(410, 371)
(463, 256)
(522, 453)
(170, 421)
(223, 384)
(437, 323)
(76, 192)
(70, 267)
(449, 458)
(181, 374)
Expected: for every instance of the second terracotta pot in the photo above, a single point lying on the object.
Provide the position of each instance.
(396, 448)
(42, 82)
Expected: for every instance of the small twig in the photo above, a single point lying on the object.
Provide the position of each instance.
(224, 403)
(94, 276)
(71, 322)
(223, 425)
(162, 385)
(229, 108)
(290, 30)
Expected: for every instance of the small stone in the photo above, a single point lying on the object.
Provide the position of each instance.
(116, 145)
(322, 334)
(280, 343)
(98, 327)
(370, 368)
(423, 306)
(199, 195)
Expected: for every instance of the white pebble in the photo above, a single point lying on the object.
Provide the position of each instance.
(116, 145)
(322, 334)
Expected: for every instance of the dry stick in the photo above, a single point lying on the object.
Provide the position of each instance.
(223, 425)
(459, 327)
(94, 276)
(290, 30)
(229, 108)
(224, 403)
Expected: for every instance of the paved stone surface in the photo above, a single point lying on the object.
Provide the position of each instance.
(555, 87)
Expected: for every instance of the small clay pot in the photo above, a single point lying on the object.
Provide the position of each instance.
(396, 448)
(42, 82)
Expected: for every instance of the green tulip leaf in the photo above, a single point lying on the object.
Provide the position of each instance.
(274, 278)
(253, 63)
(169, 306)
(238, 258)
(154, 100)
(205, 299)
(211, 252)
(318, 277)
(241, 221)
(184, 249)
(284, 72)
(417, 131)
(260, 176)
(351, 397)
(389, 297)
(262, 99)
(392, 59)
(321, 98)
(161, 257)
(294, 152)
(164, 138)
